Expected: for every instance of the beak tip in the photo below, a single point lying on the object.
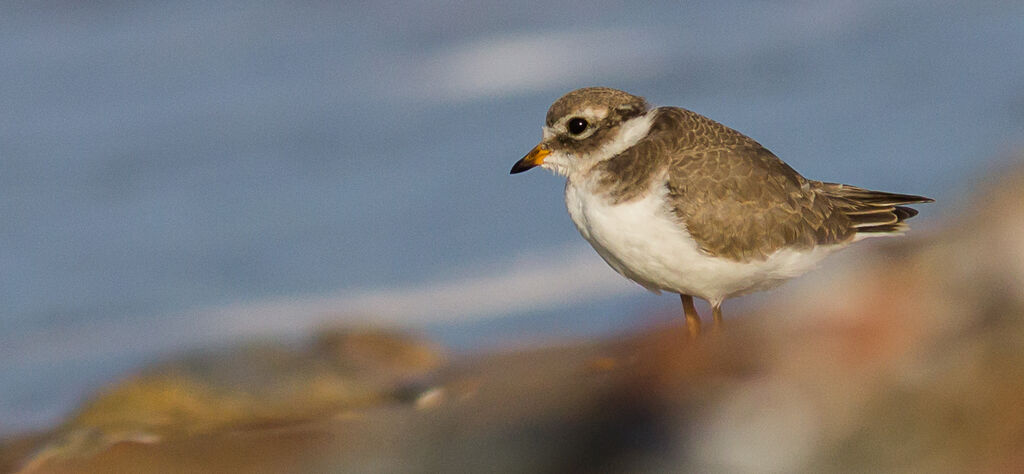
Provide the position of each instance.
(534, 158)
(519, 167)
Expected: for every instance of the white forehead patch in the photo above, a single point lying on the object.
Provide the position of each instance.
(548, 133)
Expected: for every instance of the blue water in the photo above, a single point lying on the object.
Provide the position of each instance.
(156, 159)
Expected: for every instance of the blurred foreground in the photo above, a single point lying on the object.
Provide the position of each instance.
(911, 359)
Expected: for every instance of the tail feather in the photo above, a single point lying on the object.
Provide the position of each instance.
(897, 228)
(905, 213)
(874, 212)
(866, 221)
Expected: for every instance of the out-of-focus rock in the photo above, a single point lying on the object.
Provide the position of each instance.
(255, 386)
(907, 358)
(14, 451)
(379, 352)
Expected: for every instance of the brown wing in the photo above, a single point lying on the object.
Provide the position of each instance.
(744, 204)
(738, 200)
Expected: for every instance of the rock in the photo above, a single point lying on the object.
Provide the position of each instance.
(254, 386)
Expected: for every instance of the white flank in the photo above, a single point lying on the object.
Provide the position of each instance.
(642, 241)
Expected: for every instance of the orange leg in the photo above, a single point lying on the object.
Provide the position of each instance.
(716, 313)
(692, 318)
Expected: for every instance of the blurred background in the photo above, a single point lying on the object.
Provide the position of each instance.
(178, 176)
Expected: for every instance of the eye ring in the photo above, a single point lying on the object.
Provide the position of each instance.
(577, 125)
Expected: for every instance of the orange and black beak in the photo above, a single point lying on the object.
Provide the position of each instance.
(534, 158)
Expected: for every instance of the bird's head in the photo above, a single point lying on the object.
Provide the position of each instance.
(585, 127)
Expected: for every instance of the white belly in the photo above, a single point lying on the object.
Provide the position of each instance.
(642, 241)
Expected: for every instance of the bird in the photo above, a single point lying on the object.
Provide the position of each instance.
(680, 203)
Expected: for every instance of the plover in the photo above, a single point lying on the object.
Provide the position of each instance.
(678, 202)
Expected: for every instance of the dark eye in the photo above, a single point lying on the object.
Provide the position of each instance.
(577, 125)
